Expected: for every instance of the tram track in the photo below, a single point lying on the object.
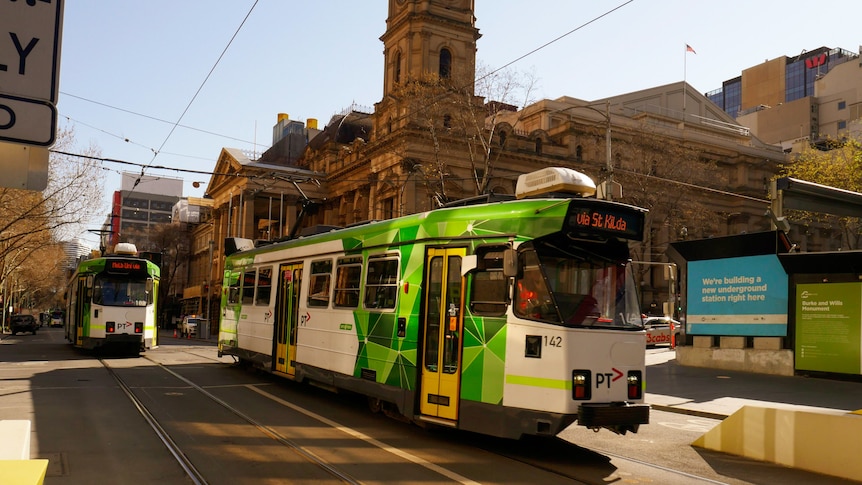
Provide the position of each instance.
(182, 458)
(575, 462)
(175, 451)
(556, 462)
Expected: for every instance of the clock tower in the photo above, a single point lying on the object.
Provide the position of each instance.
(426, 38)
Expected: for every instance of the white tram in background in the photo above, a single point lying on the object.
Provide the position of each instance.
(111, 302)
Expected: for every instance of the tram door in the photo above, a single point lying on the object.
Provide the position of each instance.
(76, 325)
(287, 316)
(442, 323)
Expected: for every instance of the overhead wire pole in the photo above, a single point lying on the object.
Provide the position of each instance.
(609, 161)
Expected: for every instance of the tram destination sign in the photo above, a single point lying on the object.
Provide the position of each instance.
(614, 220)
(30, 37)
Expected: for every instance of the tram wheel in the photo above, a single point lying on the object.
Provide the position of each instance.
(375, 404)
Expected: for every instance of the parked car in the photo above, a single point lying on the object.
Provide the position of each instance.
(23, 323)
(189, 325)
(660, 329)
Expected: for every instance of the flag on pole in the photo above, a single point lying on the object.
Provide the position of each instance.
(689, 49)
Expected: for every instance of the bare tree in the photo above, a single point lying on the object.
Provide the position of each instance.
(505, 90)
(664, 177)
(31, 222)
(453, 113)
(171, 242)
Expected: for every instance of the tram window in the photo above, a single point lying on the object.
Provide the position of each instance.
(318, 287)
(532, 298)
(381, 283)
(348, 276)
(489, 291)
(248, 280)
(114, 291)
(233, 288)
(264, 286)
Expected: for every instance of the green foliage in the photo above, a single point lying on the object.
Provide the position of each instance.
(840, 168)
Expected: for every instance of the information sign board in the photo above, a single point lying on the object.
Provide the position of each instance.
(30, 35)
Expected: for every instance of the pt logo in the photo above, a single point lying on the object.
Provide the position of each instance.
(605, 379)
(267, 315)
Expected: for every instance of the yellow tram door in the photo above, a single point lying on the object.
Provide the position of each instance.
(287, 317)
(442, 323)
(80, 311)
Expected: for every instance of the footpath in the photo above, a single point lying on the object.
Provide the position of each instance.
(807, 423)
(720, 393)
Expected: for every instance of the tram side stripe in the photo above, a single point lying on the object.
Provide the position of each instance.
(539, 382)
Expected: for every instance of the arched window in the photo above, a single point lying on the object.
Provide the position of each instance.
(445, 63)
(397, 73)
(538, 146)
(502, 138)
(447, 121)
(579, 153)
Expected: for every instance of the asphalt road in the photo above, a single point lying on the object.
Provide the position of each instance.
(261, 429)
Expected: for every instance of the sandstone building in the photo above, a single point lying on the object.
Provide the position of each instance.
(431, 140)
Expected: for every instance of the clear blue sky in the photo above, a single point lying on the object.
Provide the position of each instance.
(126, 65)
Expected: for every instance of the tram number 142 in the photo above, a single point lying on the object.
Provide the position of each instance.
(553, 341)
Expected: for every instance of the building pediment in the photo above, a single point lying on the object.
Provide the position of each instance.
(228, 166)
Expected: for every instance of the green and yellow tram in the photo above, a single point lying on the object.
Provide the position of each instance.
(111, 302)
(507, 318)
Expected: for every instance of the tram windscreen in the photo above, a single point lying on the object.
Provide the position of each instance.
(120, 291)
(575, 287)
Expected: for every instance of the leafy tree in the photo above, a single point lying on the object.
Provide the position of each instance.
(840, 168)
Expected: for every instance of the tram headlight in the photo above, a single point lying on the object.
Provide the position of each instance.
(581, 384)
(110, 327)
(634, 382)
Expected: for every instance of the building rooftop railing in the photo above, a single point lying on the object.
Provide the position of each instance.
(690, 118)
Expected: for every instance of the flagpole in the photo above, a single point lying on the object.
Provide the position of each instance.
(684, 70)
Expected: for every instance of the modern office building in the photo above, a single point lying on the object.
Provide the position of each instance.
(141, 202)
(73, 251)
(813, 97)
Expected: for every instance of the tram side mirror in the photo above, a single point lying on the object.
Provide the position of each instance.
(510, 263)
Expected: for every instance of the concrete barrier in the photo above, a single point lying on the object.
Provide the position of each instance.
(822, 442)
(16, 467)
(15, 444)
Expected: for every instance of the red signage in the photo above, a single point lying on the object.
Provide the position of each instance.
(815, 61)
(124, 265)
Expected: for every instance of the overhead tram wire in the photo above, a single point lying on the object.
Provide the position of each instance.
(117, 108)
(537, 49)
(130, 141)
(546, 44)
(189, 105)
(306, 179)
(177, 123)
